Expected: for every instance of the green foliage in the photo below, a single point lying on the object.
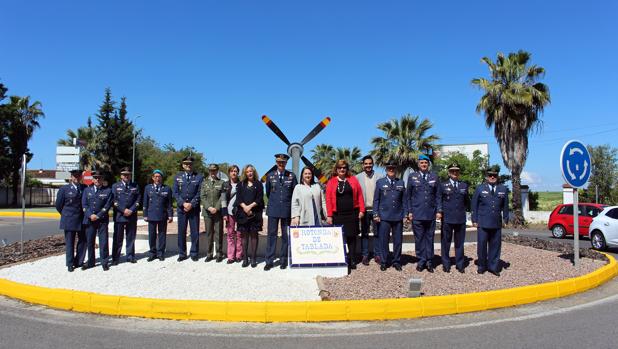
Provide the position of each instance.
(604, 177)
(533, 200)
(403, 141)
(472, 170)
(324, 157)
(512, 104)
(85, 138)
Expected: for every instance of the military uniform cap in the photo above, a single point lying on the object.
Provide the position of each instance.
(282, 157)
(423, 157)
(125, 171)
(76, 173)
(187, 160)
(213, 167)
(97, 174)
(453, 167)
(157, 171)
(390, 164)
(493, 170)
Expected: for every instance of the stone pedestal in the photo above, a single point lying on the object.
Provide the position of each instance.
(525, 203)
(567, 194)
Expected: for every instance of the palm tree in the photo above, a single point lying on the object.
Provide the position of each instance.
(85, 139)
(513, 103)
(404, 140)
(324, 157)
(352, 156)
(26, 120)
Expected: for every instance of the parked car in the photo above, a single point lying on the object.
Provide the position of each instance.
(561, 219)
(604, 229)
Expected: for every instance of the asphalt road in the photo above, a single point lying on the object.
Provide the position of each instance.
(581, 321)
(36, 228)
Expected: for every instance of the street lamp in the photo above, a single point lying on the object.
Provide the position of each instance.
(133, 161)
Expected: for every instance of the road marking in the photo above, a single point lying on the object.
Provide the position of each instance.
(105, 323)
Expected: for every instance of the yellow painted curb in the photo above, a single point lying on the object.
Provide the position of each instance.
(31, 214)
(314, 311)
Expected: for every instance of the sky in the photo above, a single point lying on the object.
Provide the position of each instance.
(202, 73)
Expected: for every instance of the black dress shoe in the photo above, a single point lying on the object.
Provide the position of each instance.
(219, 259)
(245, 263)
(365, 260)
(496, 273)
(461, 270)
(267, 267)
(151, 258)
(254, 264)
(114, 262)
(230, 261)
(133, 260)
(419, 268)
(70, 268)
(86, 267)
(181, 258)
(397, 267)
(105, 267)
(446, 269)
(283, 266)
(194, 258)
(352, 265)
(430, 268)
(383, 267)
(161, 258)
(480, 271)
(208, 259)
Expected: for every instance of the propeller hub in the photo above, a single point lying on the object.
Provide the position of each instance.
(295, 148)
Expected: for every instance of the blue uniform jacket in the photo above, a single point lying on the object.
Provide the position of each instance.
(97, 203)
(69, 205)
(390, 201)
(157, 206)
(187, 189)
(489, 210)
(279, 194)
(453, 202)
(125, 197)
(423, 196)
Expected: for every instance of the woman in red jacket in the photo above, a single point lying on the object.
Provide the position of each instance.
(345, 205)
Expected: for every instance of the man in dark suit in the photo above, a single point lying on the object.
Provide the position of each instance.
(390, 205)
(280, 185)
(490, 211)
(186, 191)
(423, 198)
(69, 205)
(452, 203)
(126, 198)
(158, 213)
(96, 201)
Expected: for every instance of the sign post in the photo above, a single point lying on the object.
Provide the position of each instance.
(576, 165)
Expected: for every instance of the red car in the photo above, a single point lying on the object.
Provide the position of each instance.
(561, 219)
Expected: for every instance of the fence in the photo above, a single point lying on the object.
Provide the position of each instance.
(35, 196)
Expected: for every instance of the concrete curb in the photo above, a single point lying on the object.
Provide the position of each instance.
(357, 310)
(31, 214)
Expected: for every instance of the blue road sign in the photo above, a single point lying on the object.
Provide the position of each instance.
(575, 163)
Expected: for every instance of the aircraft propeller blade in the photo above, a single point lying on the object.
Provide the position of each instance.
(316, 130)
(271, 125)
(316, 172)
(263, 179)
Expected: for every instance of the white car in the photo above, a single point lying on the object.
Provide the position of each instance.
(603, 231)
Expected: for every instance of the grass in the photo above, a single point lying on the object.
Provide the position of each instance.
(548, 200)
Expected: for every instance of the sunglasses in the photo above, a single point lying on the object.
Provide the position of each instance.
(342, 168)
(492, 175)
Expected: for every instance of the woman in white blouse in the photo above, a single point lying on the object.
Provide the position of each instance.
(308, 201)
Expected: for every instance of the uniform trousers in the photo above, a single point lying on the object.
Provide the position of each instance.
(130, 228)
(234, 240)
(157, 237)
(94, 230)
(458, 232)
(192, 218)
(75, 258)
(488, 248)
(214, 233)
(386, 229)
(273, 225)
(367, 224)
(424, 232)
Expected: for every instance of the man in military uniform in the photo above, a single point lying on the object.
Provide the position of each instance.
(422, 205)
(126, 197)
(69, 205)
(280, 185)
(367, 180)
(490, 208)
(96, 202)
(186, 191)
(213, 198)
(452, 203)
(158, 213)
(390, 206)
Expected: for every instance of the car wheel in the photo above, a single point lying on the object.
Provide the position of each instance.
(558, 231)
(597, 240)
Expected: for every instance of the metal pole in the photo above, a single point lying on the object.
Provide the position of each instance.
(23, 204)
(133, 161)
(575, 227)
(596, 193)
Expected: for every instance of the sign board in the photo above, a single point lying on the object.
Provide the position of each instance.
(575, 163)
(316, 246)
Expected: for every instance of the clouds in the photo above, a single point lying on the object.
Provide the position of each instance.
(530, 178)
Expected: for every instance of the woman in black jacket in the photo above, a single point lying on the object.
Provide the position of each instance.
(248, 211)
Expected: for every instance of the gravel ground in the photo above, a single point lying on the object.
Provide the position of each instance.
(527, 266)
(33, 249)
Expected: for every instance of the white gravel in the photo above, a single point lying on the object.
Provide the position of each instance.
(172, 280)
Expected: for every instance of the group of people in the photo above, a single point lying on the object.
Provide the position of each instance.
(359, 204)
